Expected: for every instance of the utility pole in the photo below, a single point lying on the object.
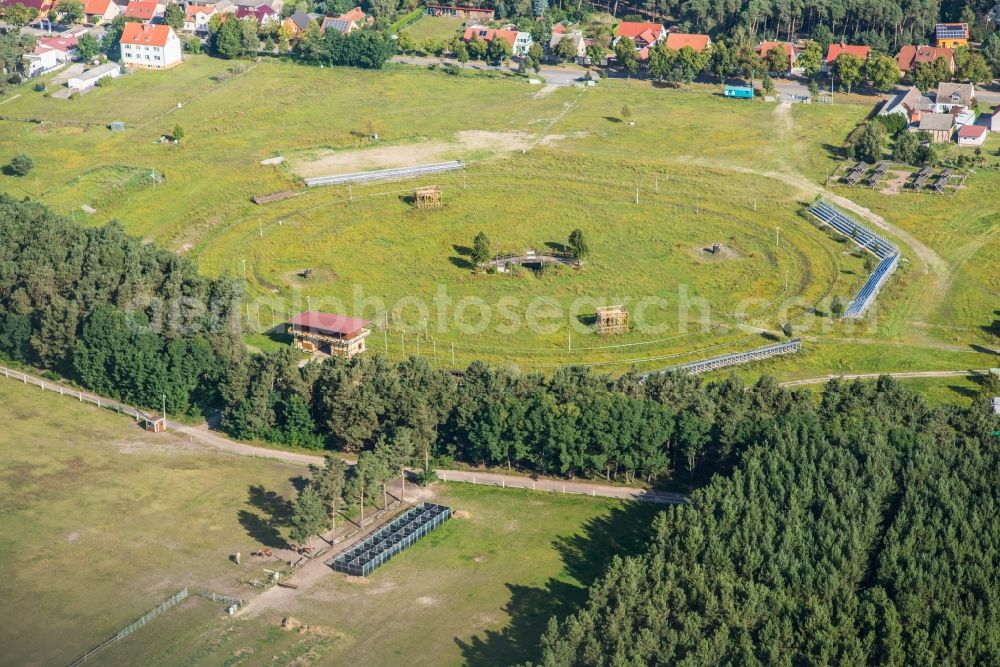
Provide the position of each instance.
(244, 268)
(637, 195)
(453, 354)
(569, 340)
(777, 236)
(164, 411)
(309, 304)
(260, 228)
(402, 344)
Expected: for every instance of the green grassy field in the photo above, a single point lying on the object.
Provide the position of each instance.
(704, 169)
(103, 521)
(435, 27)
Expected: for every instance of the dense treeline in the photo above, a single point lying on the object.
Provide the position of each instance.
(126, 318)
(137, 323)
(858, 531)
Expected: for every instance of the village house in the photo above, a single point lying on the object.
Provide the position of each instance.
(478, 14)
(314, 331)
(150, 46)
(90, 78)
(677, 41)
(262, 14)
(938, 125)
(143, 11)
(994, 121)
(910, 56)
(952, 35)
(297, 23)
(578, 41)
(51, 53)
(343, 26)
(972, 135)
(956, 94)
(276, 5)
(834, 51)
(645, 35)
(767, 47)
(910, 104)
(519, 42)
(43, 6)
(197, 17)
(99, 12)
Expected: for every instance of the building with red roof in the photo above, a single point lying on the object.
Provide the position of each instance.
(519, 41)
(677, 41)
(972, 135)
(854, 49)
(334, 334)
(150, 46)
(643, 34)
(767, 47)
(910, 56)
(43, 6)
(142, 10)
(98, 12)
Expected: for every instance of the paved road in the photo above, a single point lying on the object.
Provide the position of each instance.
(869, 376)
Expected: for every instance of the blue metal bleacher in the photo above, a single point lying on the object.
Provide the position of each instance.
(887, 253)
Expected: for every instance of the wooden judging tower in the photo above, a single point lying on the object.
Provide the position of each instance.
(326, 332)
(612, 319)
(428, 197)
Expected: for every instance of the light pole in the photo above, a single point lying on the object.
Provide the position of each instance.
(777, 236)
(244, 268)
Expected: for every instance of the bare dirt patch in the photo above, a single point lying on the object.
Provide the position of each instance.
(333, 162)
(74, 536)
(894, 185)
(704, 253)
(460, 514)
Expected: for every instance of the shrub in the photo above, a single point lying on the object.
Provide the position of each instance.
(21, 164)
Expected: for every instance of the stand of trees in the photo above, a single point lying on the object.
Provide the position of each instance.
(859, 531)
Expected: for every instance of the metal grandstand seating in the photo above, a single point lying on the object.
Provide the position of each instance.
(877, 175)
(921, 178)
(868, 240)
(363, 558)
(385, 174)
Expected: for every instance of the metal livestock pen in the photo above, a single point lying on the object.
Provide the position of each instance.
(402, 532)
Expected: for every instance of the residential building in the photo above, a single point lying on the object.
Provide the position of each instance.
(910, 56)
(578, 41)
(910, 104)
(43, 59)
(677, 41)
(150, 46)
(478, 14)
(938, 125)
(645, 35)
(767, 47)
(956, 94)
(143, 10)
(299, 21)
(519, 42)
(314, 331)
(357, 16)
(834, 51)
(952, 35)
(276, 5)
(343, 26)
(99, 12)
(261, 13)
(43, 6)
(972, 135)
(197, 17)
(90, 78)
(994, 122)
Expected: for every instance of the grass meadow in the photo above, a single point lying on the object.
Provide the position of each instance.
(704, 169)
(103, 521)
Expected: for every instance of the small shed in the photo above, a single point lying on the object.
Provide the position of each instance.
(612, 319)
(154, 424)
(90, 78)
(739, 92)
(972, 135)
(117, 125)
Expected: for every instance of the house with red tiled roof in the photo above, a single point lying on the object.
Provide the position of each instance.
(834, 51)
(43, 6)
(98, 12)
(645, 35)
(262, 14)
(677, 41)
(314, 331)
(766, 48)
(519, 41)
(197, 17)
(143, 10)
(910, 56)
(150, 46)
(355, 15)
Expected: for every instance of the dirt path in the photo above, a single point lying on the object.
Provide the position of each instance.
(868, 376)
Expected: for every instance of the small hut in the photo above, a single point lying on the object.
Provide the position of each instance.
(612, 319)
(428, 197)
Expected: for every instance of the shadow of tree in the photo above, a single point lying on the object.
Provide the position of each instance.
(273, 512)
(623, 531)
(460, 261)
